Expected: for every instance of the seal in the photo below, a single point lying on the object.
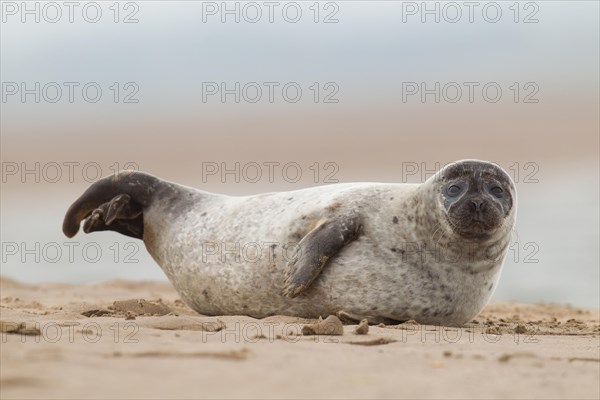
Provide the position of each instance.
(430, 252)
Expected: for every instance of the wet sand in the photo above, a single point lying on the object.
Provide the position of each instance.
(138, 340)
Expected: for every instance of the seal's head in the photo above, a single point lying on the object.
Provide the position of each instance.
(477, 197)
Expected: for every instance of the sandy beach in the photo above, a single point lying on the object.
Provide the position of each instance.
(124, 339)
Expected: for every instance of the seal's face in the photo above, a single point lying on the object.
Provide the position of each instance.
(477, 198)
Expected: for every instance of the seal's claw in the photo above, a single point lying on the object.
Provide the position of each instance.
(291, 288)
(95, 220)
(117, 208)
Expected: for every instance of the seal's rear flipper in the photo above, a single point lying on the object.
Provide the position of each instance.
(315, 249)
(114, 203)
(121, 214)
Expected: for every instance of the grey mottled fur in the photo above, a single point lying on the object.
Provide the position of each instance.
(406, 264)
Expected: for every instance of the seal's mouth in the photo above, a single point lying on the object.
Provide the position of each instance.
(476, 230)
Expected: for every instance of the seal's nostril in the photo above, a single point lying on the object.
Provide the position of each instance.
(477, 204)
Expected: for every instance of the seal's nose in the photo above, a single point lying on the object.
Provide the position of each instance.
(477, 204)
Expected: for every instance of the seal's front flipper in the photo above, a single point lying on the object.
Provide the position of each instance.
(315, 249)
(120, 214)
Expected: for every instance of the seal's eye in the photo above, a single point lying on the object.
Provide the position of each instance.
(453, 190)
(497, 191)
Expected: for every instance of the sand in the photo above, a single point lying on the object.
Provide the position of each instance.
(138, 340)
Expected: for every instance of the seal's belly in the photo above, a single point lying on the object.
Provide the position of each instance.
(249, 279)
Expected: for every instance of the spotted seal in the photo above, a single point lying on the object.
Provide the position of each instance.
(431, 252)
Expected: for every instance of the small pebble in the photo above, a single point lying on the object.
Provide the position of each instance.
(362, 328)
